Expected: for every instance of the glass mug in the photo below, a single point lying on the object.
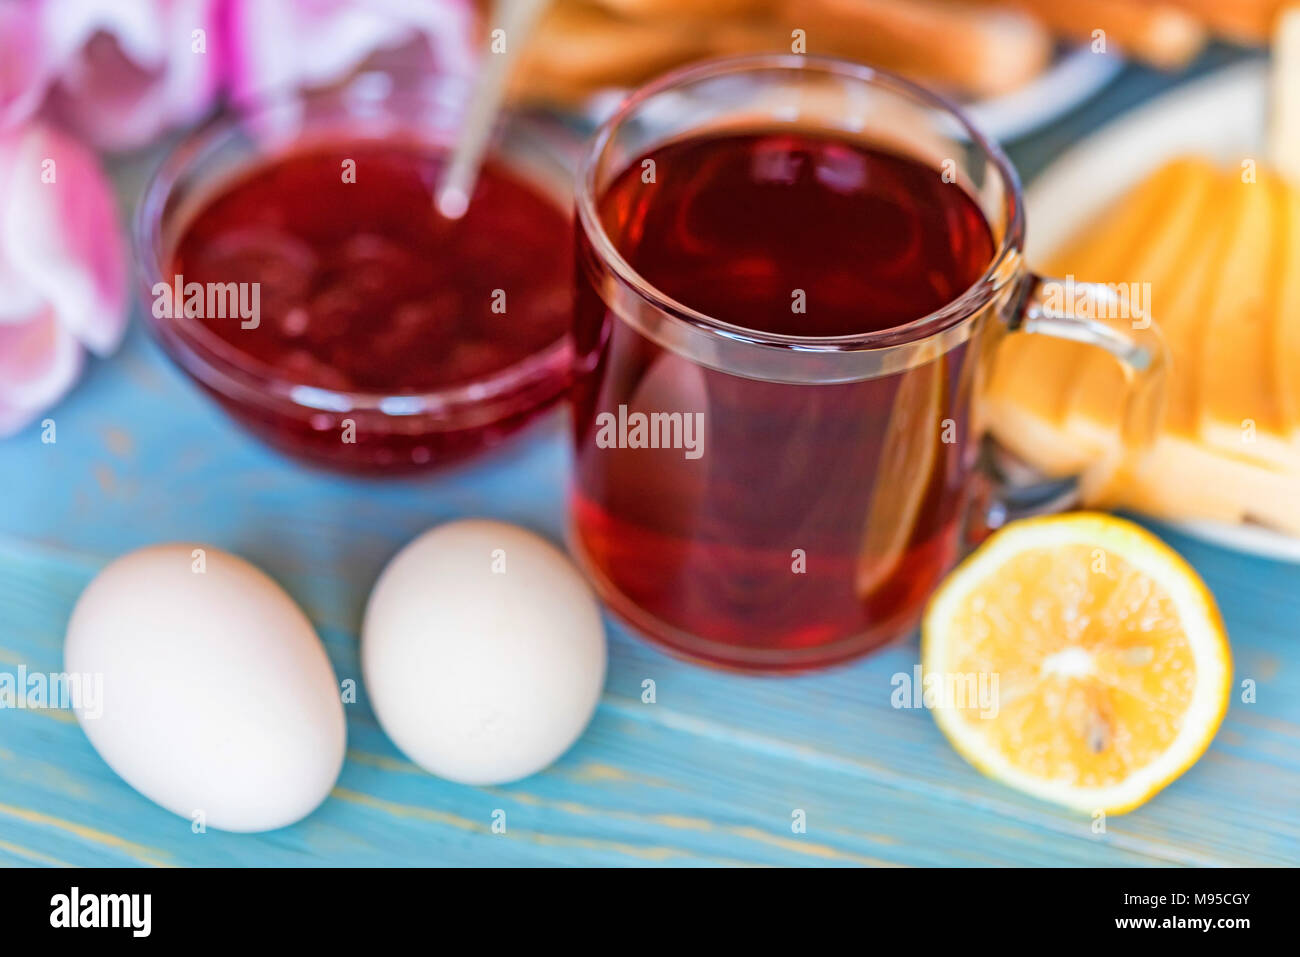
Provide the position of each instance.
(767, 501)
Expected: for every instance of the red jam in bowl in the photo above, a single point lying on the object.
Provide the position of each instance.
(386, 337)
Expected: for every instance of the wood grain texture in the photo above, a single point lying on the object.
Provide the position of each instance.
(708, 775)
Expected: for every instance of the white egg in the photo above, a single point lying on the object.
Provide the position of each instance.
(483, 652)
(217, 697)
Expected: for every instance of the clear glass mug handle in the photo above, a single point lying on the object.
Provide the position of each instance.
(1090, 314)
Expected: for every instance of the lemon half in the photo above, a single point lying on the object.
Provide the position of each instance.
(1106, 652)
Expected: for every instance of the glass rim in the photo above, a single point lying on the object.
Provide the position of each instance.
(1000, 270)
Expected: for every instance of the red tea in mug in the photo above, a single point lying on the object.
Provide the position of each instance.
(766, 523)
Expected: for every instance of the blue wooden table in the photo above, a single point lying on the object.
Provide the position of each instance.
(712, 773)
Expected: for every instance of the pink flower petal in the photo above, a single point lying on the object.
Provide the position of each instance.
(60, 240)
(25, 67)
(331, 38)
(126, 71)
(39, 362)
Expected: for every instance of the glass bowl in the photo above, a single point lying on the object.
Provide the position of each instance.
(351, 431)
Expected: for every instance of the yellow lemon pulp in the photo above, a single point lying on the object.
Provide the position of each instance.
(1105, 652)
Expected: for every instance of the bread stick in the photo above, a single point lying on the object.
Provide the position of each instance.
(1286, 332)
(579, 46)
(1249, 21)
(691, 9)
(1178, 234)
(1238, 405)
(1158, 33)
(977, 50)
(1033, 375)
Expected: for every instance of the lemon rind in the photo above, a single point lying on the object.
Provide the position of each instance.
(1197, 612)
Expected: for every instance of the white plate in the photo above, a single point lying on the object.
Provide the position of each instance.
(1075, 75)
(1221, 116)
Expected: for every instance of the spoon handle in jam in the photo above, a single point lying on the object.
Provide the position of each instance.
(514, 21)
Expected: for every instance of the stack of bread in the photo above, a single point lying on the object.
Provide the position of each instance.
(1219, 250)
(976, 48)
